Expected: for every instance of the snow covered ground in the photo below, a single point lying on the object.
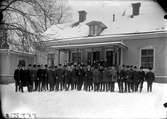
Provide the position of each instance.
(81, 104)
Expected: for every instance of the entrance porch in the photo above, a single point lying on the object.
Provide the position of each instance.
(111, 55)
(109, 52)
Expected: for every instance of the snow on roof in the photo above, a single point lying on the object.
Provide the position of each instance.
(151, 18)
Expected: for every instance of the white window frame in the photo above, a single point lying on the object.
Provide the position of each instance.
(145, 48)
(94, 30)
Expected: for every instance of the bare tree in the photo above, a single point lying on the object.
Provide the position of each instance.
(27, 19)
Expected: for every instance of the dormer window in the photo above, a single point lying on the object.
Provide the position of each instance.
(95, 28)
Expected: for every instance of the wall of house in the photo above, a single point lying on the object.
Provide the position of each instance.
(131, 56)
(9, 61)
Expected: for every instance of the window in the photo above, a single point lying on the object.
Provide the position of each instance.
(147, 58)
(94, 30)
(76, 57)
(96, 27)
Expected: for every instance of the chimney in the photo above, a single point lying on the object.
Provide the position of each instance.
(82, 15)
(113, 17)
(136, 8)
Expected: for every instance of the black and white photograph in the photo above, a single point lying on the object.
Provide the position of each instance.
(83, 59)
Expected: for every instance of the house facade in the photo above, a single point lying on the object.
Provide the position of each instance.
(129, 33)
(9, 59)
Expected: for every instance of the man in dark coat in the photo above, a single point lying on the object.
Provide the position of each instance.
(96, 79)
(30, 76)
(105, 78)
(17, 78)
(39, 77)
(113, 76)
(60, 76)
(131, 80)
(50, 74)
(101, 77)
(56, 81)
(150, 77)
(141, 78)
(33, 75)
(67, 77)
(42, 81)
(88, 78)
(81, 74)
(74, 77)
(126, 80)
(121, 76)
(27, 77)
(22, 82)
(135, 79)
(45, 78)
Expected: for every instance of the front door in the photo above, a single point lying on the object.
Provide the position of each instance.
(93, 57)
(109, 57)
(96, 56)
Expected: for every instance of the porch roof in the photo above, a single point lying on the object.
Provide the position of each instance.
(90, 45)
(100, 41)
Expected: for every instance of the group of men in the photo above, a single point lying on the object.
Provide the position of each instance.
(82, 77)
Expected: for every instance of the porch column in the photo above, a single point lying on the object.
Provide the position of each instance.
(122, 62)
(117, 57)
(58, 57)
(69, 56)
(83, 53)
(92, 59)
(103, 56)
(113, 63)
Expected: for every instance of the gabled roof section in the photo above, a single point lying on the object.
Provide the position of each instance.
(150, 19)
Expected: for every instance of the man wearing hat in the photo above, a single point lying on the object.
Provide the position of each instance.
(33, 75)
(22, 82)
(39, 72)
(126, 78)
(42, 81)
(60, 77)
(135, 79)
(17, 77)
(74, 77)
(141, 78)
(121, 77)
(45, 78)
(150, 77)
(28, 77)
(80, 77)
(66, 77)
(131, 83)
(50, 74)
(56, 82)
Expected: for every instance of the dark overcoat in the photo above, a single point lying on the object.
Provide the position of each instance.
(33, 74)
(150, 77)
(74, 75)
(135, 76)
(50, 75)
(141, 76)
(60, 75)
(88, 76)
(17, 75)
(96, 76)
(23, 77)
